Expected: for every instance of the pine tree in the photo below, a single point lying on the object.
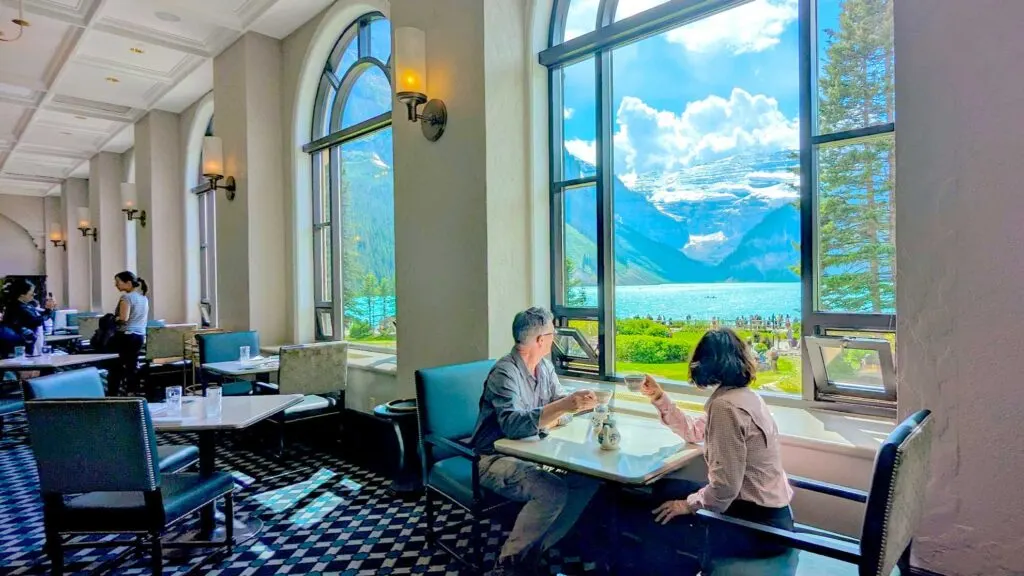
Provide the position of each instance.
(855, 179)
(574, 295)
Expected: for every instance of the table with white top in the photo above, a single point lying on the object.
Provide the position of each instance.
(251, 368)
(237, 412)
(648, 450)
(59, 338)
(47, 363)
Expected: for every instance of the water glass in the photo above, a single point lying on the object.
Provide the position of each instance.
(214, 401)
(634, 381)
(174, 400)
(19, 352)
(46, 350)
(243, 354)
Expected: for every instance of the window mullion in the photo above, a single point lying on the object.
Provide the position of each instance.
(808, 183)
(605, 218)
(337, 211)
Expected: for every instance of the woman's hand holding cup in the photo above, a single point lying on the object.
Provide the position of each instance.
(651, 388)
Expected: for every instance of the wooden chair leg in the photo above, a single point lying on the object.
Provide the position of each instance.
(156, 552)
(229, 521)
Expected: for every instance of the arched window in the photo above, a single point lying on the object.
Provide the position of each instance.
(207, 246)
(353, 189)
(725, 163)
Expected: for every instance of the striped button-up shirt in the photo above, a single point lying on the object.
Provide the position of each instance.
(741, 447)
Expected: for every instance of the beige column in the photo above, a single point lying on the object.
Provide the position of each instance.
(461, 222)
(56, 257)
(77, 273)
(108, 252)
(158, 183)
(251, 267)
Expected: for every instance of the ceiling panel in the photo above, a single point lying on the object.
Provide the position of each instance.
(10, 116)
(44, 166)
(122, 141)
(19, 188)
(90, 82)
(77, 122)
(27, 61)
(165, 21)
(189, 90)
(62, 138)
(104, 48)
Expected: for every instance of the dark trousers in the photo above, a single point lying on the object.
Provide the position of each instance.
(125, 378)
(684, 543)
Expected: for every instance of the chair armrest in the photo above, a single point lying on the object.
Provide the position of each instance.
(830, 489)
(837, 549)
(458, 447)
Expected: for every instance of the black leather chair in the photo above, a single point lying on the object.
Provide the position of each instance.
(448, 399)
(893, 509)
(87, 489)
(223, 347)
(86, 383)
(8, 405)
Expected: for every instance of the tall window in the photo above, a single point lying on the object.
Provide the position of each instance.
(353, 189)
(722, 164)
(207, 246)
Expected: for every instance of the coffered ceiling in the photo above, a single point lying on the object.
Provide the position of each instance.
(86, 70)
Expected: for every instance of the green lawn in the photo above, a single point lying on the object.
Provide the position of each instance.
(786, 379)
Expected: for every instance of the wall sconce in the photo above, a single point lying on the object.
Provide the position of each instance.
(411, 85)
(129, 197)
(84, 225)
(57, 237)
(213, 169)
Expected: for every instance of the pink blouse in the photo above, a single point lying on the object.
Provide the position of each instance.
(741, 447)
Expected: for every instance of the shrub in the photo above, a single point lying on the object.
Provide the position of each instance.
(359, 330)
(644, 349)
(641, 326)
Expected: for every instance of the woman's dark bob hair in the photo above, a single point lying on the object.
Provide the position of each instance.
(721, 359)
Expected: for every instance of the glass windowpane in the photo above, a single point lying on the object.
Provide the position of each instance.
(579, 234)
(627, 8)
(579, 124)
(580, 18)
(380, 39)
(370, 96)
(850, 367)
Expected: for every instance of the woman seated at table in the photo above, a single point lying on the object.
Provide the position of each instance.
(741, 448)
(22, 316)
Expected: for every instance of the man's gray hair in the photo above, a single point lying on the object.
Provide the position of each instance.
(530, 321)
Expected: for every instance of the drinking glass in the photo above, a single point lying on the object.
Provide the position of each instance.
(214, 401)
(174, 400)
(243, 354)
(46, 350)
(19, 352)
(634, 381)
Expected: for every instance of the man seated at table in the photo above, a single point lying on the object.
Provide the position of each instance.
(522, 397)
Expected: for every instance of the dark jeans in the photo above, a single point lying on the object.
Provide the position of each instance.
(675, 547)
(125, 378)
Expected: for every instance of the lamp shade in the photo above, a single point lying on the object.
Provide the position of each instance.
(55, 233)
(83, 217)
(410, 60)
(213, 157)
(129, 197)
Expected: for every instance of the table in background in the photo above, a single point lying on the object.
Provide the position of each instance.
(62, 341)
(251, 368)
(407, 482)
(648, 450)
(237, 413)
(48, 363)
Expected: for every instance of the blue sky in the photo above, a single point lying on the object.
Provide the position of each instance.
(725, 85)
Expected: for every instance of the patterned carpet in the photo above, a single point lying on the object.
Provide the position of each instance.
(321, 516)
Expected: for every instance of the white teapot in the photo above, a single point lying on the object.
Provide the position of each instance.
(608, 436)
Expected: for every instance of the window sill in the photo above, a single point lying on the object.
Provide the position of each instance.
(813, 428)
(382, 362)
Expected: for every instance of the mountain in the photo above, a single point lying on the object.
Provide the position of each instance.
(768, 250)
(368, 213)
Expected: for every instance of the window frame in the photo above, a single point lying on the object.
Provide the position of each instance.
(207, 219)
(599, 45)
(329, 135)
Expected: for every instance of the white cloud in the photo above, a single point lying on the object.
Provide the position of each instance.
(627, 8)
(582, 149)
(661, 196)
(773, 194)
(773, 176)
(568, 112)
(710, 129)
(751, 27)
(705, 247)
(581, 18)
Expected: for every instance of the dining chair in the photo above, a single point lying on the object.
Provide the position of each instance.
(164, 355)
(317, 371)
(448, 402)
(86, 383)
(223, 347)
(893, 509)
(87, 489)
(9, 405)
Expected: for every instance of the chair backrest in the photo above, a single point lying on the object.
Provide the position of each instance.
(102, 445)
(84, 383)
(223, 347)
(896, 499)
(448, 398)
(88, 325)
(313, 368)
(61, 320)
(167, 341)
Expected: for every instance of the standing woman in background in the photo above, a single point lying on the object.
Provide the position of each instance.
(132, 315)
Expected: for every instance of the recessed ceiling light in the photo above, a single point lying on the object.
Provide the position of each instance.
(167, 16)
(112, 79)
(136, 50)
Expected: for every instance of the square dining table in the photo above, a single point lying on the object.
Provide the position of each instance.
(48, 363)
(237, 413)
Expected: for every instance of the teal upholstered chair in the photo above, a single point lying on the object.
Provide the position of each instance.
(8, 405)
(223, 347)
(86, 383)
(893, 509)
(97, 474)
(448, 402)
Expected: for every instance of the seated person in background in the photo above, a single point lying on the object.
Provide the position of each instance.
(741, 448)
(22, 316)
(521, 398)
